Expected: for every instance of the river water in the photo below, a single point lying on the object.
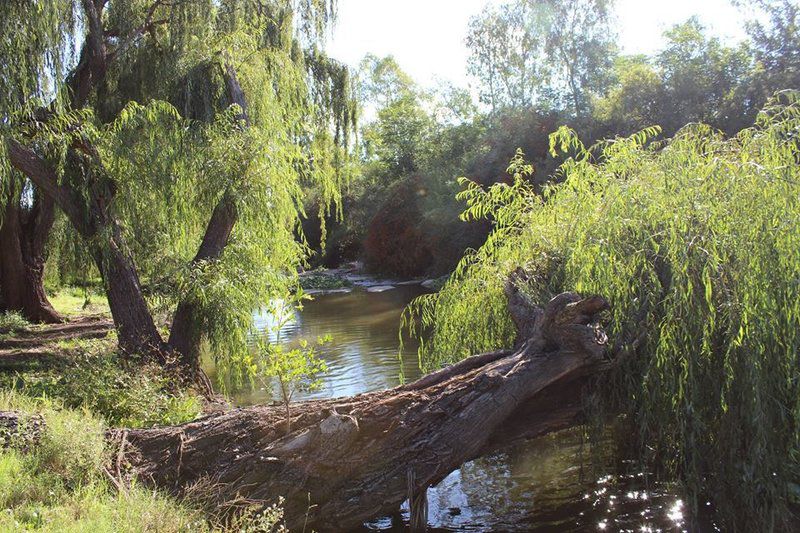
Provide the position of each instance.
(543, 485)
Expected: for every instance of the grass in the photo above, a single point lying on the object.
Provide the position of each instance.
(97, 379)
(63, 483)
(74, 301)
(60, 485)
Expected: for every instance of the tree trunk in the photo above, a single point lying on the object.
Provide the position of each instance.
(136, 330)
(24, 230)
(97, 225)
(353, 459)
(185, 333)
(23, 237)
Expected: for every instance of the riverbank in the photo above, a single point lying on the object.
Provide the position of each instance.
(68, 379)
(352, 276)
(524, 488)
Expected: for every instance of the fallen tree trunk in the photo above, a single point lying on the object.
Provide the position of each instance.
(348, 460)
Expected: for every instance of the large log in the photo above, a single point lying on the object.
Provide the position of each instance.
(347, 460)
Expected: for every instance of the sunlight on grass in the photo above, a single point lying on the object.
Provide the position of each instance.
(73, 301)
(60, 484)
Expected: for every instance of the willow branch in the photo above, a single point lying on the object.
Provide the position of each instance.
(44, 176)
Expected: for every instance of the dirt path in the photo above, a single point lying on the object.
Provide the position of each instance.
(40, 344)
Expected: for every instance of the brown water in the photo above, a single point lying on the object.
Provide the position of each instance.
(542, 485)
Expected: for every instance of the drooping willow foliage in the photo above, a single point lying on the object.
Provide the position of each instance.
(36, 52)
(696, 243)
(174, 170)
(172, 145)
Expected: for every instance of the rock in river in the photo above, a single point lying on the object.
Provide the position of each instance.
(380, 288)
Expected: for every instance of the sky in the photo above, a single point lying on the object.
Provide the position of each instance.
(427, 36)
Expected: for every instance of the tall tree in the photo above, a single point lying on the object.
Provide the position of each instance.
(580, 40)
(507, 56)
(541, 52)
(200, 181)
(635, 99)
(700, 77)
(394, 140)
(36, 51)
(382, 81)
(775, 34)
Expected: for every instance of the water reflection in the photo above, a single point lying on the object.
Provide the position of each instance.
(548, 485)
(363, 355)
(540, 486)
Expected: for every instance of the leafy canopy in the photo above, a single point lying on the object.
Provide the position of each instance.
(169, 144)
(543, 53)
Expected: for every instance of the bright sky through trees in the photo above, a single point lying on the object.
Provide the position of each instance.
(427, 36)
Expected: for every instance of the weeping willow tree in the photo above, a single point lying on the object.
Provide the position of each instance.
(183, 163)
(696, 244)
(36, 53)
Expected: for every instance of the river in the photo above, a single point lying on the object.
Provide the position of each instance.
(546, 484)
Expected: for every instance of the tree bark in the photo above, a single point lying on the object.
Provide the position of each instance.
(95, 222)
(23, 237)
(353, 459)
(136, 330)
(135, 326)
(185, 334)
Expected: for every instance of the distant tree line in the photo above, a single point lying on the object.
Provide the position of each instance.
(537, 65)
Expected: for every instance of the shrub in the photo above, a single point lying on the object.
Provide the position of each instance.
(12, 322)
(396, 242)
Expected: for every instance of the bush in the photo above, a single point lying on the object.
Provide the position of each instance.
(696, 243)
(12, 322)
(322, 280)
(97, 379)
(396, 242)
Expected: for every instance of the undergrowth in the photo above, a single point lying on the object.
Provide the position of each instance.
(62, 483)
(12, 322)
(322, 279)
(59, 484)
(96, 378)
(696, 244)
